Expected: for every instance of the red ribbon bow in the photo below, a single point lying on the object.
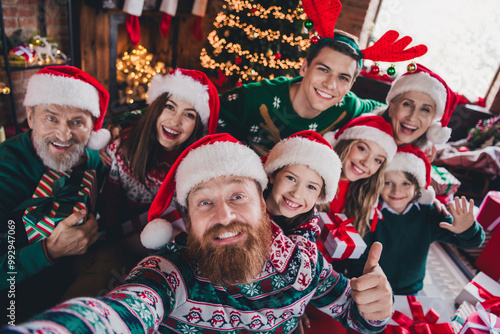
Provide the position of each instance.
(341, 227)
(421, 323)
(491, 301)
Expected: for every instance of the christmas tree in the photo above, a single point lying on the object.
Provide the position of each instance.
(254, 40)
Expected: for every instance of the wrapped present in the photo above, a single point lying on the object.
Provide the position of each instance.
(481, 289)
(481, 322)
(487, 261)
(443, 182)
(23, 51)
(58, 195)
(422, 315)
(339, 237)
(460, 316)
(489, 211)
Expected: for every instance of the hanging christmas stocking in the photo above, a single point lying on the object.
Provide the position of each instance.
(168, 9)
(133, 8)
(199, 9)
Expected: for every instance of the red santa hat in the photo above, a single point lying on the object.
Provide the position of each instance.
(412, 160)
(307, 148)
(193, 87)
(367, 127)
(425, 81)
(70, 86)
(210, 157)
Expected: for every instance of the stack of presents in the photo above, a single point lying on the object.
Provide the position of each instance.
(478, 304)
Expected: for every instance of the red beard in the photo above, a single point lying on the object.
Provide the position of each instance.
(237, 263)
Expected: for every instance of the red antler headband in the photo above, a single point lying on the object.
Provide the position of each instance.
(324, 14)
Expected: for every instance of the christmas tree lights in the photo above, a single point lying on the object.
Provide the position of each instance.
(252, 41)
(134, 72)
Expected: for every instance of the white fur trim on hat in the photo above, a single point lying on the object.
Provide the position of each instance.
(384, 140)
(60, 90)
(428, 195)
(420, 82)
(302, 151)
(214, 160)
(438, 134)
(133, 7)
(409, 162)
(157, 233)
(99, 139)
(182, 87)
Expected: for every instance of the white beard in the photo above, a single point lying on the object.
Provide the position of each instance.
(63, 161)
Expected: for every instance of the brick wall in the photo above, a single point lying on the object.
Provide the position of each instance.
(26, 15)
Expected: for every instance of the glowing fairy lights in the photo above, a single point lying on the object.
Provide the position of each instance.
(134, 72)
(253, 40)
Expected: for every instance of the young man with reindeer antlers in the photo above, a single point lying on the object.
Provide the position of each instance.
(261, 114)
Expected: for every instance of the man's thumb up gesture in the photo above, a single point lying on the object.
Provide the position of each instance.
(372, 292)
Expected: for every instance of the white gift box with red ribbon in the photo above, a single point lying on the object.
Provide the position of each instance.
(339, 237)
(481, 288)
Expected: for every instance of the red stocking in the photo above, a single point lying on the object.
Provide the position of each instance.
(133, 29)
(165, 24)
(196, 28)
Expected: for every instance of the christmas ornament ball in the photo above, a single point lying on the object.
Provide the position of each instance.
(391, 70)
(315, 39)
(411, 67)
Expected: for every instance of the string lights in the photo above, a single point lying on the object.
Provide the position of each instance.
(134, 72)
(252, 41)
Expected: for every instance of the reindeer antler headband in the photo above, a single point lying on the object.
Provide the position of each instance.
(324, 14)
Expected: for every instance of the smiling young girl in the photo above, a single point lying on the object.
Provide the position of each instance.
(411, 223)
(303, 171)
(183, 105)
(365, 145)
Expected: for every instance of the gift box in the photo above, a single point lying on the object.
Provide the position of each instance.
(423, 315)
(443, 182)
(487, 261)
(489, 211)
(339, 237)
(460, 316)
(481, 322)
(58, 195)
(481, 289)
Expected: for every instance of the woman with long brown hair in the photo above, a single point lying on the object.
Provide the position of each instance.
(182, 106)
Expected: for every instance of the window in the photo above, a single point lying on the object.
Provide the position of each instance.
(463, 38)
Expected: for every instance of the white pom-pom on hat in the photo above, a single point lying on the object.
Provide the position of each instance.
(437, 134)
(99, 139)
(157, 233)
(428, 195)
